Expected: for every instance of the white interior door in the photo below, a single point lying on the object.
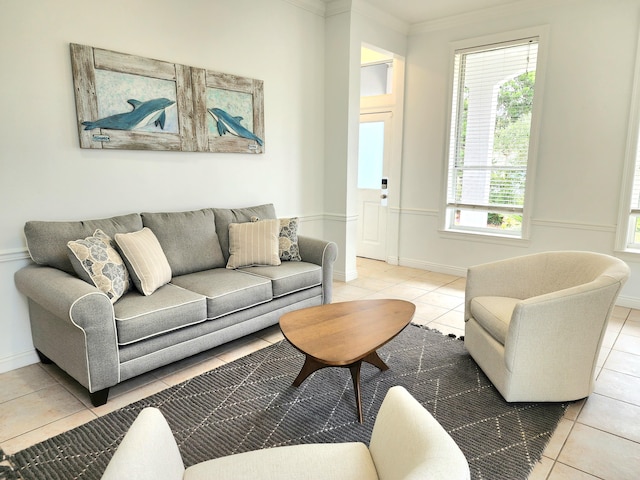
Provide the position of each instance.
(373, 184)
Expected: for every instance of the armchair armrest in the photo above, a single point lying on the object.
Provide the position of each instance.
(147, 452)
(568, 324)
(323, 253)
(73, 324)
(408, 443)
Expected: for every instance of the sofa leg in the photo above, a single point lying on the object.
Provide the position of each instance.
(99, 398)
(43, 358)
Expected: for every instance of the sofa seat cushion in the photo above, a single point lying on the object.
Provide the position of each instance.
(494, 314)
(227, 291)
(169, 308)
(330, 461)
(288, 277)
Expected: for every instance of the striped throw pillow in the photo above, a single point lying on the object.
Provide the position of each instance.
(254, 243)
(147, 263)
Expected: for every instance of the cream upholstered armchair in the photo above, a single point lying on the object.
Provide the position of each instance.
(406, 443)
(535, 323)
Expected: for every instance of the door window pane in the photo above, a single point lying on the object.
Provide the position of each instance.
(370, 154)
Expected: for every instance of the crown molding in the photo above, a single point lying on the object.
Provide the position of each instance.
(485, 14)
(362, 7)
(317, 7)
(336, 7)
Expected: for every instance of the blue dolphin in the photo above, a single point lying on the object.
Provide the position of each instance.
(228, 124)
(143, 114)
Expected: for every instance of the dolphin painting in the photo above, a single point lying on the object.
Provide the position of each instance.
(143, 114)
(228, 124)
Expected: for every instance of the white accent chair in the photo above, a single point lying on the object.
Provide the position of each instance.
(406, 443)
(535, 323)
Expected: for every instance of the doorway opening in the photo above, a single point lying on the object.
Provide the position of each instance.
(379, 154)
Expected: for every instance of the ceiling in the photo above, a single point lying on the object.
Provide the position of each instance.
(418, 11)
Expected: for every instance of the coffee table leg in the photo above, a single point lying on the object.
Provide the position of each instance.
(310, 366)
(355, 376)
(376, 361)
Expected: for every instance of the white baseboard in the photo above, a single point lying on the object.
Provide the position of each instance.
(18, 361)
(433, 267)
(628, 302)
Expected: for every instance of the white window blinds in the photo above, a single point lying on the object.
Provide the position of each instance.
(493, 91)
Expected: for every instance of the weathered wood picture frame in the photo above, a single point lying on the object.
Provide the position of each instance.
(128, 102)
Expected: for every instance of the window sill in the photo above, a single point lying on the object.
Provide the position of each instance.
(482, 237)
(630, 253)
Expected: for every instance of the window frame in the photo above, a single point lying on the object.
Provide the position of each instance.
(631, 164)
(478, 44)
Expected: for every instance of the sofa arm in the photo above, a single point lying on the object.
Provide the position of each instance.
(73, 324)
(408, 443)
(147, 452)
(323, 253)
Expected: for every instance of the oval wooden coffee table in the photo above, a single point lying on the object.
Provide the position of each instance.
(345, 335)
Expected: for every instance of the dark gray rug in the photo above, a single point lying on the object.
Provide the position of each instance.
(250, 404)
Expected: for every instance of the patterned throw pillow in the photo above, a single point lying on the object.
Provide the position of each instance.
(147, 263)
(96, 261)
(253, 243)
(289, 250)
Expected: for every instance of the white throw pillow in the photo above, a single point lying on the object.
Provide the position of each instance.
(145, 259)
(254, 243)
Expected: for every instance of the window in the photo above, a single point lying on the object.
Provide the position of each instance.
(628, 235)
(489, 144)
(376, 78)
(632, 220)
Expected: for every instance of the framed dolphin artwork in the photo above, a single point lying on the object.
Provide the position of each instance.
(129, 102)
(235, 119)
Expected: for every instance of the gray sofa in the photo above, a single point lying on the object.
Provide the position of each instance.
(101, 341)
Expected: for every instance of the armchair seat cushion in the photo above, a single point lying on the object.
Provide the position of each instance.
(332, 461)
(494, 314)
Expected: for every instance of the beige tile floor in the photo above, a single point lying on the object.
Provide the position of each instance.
(598, 438)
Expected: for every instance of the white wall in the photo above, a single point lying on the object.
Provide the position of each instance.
(46, 176)
(585, 112)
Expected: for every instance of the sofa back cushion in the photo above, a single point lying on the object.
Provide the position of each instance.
(189, 239)
(226, 216)
(47, 241)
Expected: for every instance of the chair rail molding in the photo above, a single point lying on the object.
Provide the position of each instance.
(14, 254)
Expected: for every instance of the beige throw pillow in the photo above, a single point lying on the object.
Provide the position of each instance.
(254, 243)
(145, 260)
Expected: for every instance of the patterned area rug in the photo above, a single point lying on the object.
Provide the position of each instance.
(250, 404)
